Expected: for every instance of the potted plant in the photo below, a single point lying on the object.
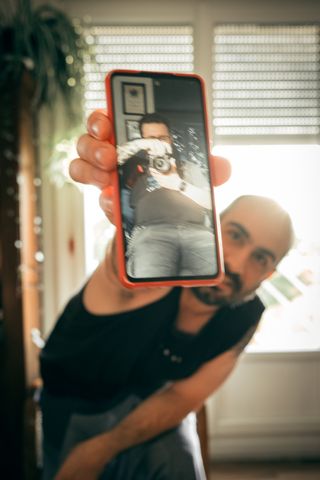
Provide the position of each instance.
(44, 42)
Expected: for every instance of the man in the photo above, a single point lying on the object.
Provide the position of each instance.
(172, 232)
(152, 126)
(123, 369)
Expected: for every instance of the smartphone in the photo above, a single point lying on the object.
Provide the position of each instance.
(167, 226)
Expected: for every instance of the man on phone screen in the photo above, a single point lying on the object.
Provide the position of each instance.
(167, 220)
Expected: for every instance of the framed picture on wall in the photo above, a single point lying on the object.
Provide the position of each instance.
(134, 98)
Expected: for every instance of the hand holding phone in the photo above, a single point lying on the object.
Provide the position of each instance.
(167, 228)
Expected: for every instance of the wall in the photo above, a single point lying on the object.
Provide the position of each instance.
(268, 409)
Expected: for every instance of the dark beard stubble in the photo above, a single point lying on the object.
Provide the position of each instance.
(208, 295)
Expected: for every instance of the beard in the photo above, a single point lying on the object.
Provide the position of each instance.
(215, 296)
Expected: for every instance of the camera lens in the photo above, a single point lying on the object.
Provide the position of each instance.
(161, 164)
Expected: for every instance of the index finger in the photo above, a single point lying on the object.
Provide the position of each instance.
(221, 170)
(99, 125)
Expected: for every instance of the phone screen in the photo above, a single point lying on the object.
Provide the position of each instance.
(166, 197)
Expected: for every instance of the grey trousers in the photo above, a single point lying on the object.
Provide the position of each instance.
(171, 250)
(173, 455)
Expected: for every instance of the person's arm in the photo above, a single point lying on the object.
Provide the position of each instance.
(158, 413)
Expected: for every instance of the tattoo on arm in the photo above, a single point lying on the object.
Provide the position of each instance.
(243, 342)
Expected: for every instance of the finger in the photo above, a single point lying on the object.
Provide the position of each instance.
(221, 171)
(82, 172)
(100, 154)
(106, 204)
(99, 125)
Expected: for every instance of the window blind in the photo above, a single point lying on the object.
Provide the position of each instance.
(266, 81)
(161, 48)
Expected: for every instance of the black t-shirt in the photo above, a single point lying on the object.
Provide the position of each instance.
(109, 356)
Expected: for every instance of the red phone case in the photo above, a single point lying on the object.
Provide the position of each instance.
(120, 237)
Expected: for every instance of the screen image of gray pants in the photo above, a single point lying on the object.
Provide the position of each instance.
(171, 250)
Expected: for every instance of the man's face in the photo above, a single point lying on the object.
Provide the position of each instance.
(157, 131)
(255, 237)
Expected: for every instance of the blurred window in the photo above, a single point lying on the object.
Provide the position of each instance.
(158, 48)
(266, 119)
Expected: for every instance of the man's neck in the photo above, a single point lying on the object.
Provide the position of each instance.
(206, 296)
(193, 313)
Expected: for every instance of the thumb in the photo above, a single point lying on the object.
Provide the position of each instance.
(106, 203)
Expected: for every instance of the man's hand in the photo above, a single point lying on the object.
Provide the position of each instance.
(97, 156)
(86, 461)
(98, 159)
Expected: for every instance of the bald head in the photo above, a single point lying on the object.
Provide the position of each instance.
(267, 219)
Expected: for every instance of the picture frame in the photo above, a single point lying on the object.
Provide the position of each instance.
(134, 98)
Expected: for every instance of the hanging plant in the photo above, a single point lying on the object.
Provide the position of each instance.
(44, 46)
(45, 42)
